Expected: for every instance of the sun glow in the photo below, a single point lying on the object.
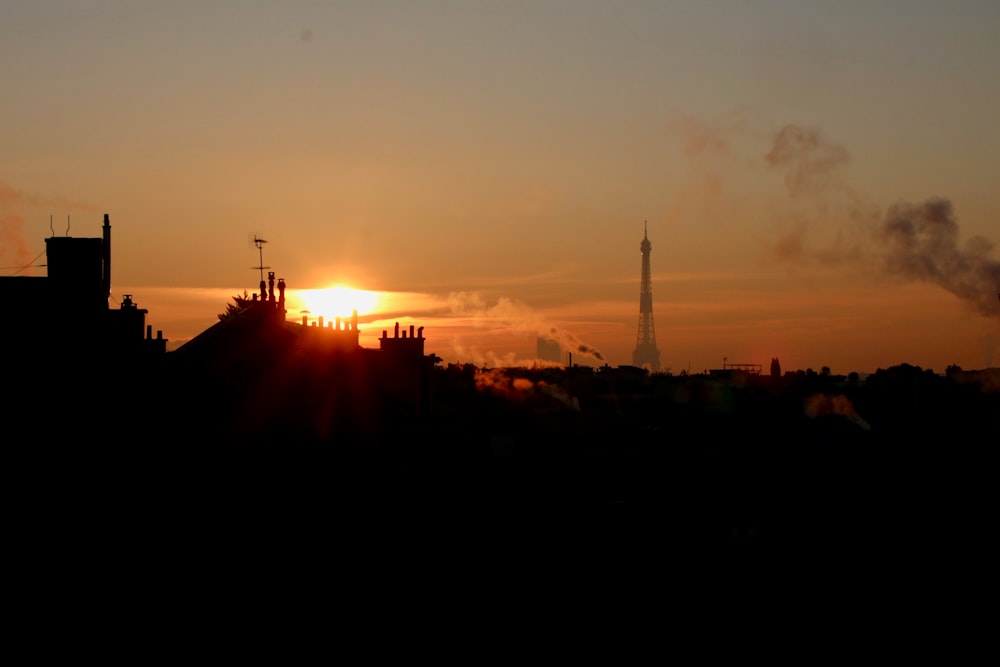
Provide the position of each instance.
(333, 302)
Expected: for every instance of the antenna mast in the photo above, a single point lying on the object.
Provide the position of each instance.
(260, 252)
(259, 242)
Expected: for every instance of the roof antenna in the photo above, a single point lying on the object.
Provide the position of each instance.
(50, 225)
(260, 252)
(67, 224)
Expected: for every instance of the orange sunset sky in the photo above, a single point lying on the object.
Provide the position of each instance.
(819, 179)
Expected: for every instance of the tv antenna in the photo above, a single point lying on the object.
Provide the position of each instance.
(259, 243)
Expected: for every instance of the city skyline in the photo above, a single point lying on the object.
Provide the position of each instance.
(818, 178)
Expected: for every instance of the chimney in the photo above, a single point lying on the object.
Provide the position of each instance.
(106, 252)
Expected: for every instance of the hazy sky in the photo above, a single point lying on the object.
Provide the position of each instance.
(820, 179)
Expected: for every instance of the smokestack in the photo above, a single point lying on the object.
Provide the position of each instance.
(107, 257)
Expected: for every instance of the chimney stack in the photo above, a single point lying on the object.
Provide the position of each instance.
(106, 252)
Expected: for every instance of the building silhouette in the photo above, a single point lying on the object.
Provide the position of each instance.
(66, 316)
(646, 354)
(305, 381)
(253, 375)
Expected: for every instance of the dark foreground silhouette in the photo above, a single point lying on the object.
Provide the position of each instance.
(627, 477)
(266, 460)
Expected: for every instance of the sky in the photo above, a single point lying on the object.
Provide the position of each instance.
(818, 179)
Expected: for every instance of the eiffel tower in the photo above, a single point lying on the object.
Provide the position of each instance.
(646, 354)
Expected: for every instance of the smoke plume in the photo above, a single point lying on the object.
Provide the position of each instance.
(819, 405)
(913, 241)
(517, 317)
(14, 204)
(922, 243)
(806, 158)
(523, 390)
(10, 196)
(14, 250)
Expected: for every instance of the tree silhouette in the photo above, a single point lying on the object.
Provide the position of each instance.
(239, 303)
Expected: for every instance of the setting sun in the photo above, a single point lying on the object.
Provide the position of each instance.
(333, 302)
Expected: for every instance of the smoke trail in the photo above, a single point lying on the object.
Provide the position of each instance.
(915, 241)
(712, 151)
(819, 405)
(827, 220)
(806, 158)
(921, 243)
(519, 318)
(9, 196)
(522, 390)
(13, 248)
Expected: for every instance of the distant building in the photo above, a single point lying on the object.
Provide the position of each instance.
(732, 371)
